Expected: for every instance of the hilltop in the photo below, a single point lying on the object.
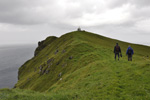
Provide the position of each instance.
(80, 65)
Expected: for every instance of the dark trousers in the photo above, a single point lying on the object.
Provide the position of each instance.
(129, 57)
(116, 54)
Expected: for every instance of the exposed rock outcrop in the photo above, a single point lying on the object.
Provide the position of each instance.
(44, 43)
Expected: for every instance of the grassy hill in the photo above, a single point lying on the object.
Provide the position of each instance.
(81, 65)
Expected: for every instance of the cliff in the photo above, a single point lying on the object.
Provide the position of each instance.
(81, 65)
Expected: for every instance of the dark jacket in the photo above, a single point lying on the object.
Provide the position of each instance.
(117, 49)
(129, 49)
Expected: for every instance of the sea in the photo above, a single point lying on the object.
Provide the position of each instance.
(11, 58)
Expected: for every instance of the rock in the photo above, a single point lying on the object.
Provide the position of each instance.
(49, 66)
(56, 52)
(60, 79)
(14, 87)
(50, 60)
(41, 67)
(70, 57)
(57, 63)
(47, 71)
(59, 75)
(64, 51)
(40, 70)
(43, 71)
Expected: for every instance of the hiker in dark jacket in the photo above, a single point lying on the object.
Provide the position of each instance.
(129, 52)
(117, 50)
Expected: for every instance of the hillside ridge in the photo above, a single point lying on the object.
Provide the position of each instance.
(81, 63)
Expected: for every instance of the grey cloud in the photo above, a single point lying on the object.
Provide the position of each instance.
(39, 17)
(51, 11)
(141, 3)
(116, 3)
(23, 11)
(137, 3)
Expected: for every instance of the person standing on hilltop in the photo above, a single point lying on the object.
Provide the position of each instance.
(129, 52)
(117, 50)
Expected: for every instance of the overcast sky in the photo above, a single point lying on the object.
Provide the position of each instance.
(29, 21)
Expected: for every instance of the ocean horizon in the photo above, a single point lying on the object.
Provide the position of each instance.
(11, 58)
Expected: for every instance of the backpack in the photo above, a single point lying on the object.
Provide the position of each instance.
(117, 48)
(129, 52)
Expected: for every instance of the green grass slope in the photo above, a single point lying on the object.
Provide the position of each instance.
(81, 65)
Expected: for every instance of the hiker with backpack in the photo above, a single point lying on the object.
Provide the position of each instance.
(117, 50)
(129, 52)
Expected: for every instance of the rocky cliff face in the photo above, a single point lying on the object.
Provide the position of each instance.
(51, 56)
(44, 43)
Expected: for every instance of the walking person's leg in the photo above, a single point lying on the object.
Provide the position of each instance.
(118, 56)
(128, 57)
(115, 56)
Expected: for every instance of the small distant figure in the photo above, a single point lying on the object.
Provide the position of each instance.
(117, 50)
(79, 29)
(129, 52)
